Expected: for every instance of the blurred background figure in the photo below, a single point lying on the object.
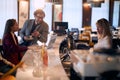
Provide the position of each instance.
(104, 35)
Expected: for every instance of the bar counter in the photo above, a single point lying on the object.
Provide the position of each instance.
(54, 71)
(87, 64)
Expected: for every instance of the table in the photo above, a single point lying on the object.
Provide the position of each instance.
(90, 65)
(54, 71)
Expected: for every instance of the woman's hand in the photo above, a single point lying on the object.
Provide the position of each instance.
(12, 65)
(1, 74)
(23, 66)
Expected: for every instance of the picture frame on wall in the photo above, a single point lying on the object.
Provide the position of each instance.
(23, 12)
(57, 13)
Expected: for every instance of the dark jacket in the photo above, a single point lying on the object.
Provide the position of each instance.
(12, 52)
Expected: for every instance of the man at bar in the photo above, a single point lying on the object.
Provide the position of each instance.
(35, 29)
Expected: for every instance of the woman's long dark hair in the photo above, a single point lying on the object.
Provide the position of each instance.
(9, 23)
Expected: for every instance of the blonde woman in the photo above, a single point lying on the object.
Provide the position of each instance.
(104, 35)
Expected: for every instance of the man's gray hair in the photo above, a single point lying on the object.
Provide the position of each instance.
(39, 11)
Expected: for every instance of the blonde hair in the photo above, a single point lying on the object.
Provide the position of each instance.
(39, 11)
(106, 27)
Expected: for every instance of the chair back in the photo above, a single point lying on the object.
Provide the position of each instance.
(116, 43)
(1, 50)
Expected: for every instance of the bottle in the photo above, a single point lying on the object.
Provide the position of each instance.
(44, 55)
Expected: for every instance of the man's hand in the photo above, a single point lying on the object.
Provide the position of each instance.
(28, 38)
(36, 34)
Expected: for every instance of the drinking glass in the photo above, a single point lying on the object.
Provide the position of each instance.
(37, 71)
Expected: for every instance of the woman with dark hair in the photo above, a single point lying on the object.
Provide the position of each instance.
(104, 35)
(12, 50)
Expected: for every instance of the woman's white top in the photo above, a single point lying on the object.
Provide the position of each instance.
(103, 43)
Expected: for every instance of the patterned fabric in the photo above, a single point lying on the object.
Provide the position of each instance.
(12, 52)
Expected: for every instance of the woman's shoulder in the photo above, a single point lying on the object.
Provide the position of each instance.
(106, 38)
(7, 35)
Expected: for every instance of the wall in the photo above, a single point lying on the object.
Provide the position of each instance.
(99, 12)
(72, 13)
(116, 13)
(47, 7)
(8, 10)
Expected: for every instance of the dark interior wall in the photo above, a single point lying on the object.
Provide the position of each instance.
(86, 19)
(119, 17)
(87, 11)
(111, 12)
(111, 9)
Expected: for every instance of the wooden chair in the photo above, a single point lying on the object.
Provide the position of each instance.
(1, 50)
(9, 77)
(12, 70)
